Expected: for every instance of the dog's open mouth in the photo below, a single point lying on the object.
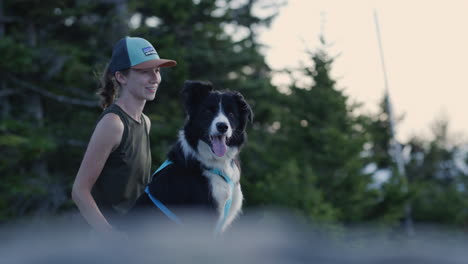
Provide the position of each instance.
(218, 145)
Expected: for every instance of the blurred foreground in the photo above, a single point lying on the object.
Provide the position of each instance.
(257, 237)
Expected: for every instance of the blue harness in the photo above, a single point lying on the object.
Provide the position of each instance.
(174, 218)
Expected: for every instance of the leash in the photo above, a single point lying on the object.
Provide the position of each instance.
(156, 202)
(174, 218)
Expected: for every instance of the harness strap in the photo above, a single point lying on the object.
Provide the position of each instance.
(156, 202)
(164, 165)
(227, 205)
(163, 208)
(174, 218)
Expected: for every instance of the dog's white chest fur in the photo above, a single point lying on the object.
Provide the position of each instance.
(222, 191)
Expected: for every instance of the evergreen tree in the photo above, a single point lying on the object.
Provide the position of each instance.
(314, 156)
(393, 194)
(436, 171)
(54, 49)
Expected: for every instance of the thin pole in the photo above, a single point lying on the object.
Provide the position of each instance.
(395, 146)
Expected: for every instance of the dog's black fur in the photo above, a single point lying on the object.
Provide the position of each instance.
(211, 138)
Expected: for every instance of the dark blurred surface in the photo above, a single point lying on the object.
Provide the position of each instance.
(258, 237)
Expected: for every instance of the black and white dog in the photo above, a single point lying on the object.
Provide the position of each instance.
(203, 169)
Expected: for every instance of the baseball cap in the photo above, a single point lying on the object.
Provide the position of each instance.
(136, 53)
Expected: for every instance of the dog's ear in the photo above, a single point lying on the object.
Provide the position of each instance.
(245, 110)
(194, 92)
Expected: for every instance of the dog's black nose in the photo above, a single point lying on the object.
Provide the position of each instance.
(222, 127)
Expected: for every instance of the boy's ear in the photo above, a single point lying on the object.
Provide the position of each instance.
(120, 77)
(194, 92)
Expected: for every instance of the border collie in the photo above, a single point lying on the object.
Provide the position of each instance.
(202, 170)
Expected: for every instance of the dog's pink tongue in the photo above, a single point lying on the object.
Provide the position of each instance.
(219, 146)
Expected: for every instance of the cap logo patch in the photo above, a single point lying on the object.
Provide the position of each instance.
(149, 51)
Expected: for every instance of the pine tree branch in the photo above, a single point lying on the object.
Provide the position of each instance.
(8, 19)
(76, 143)
(59, 98)
(7, 92)
(76, 91)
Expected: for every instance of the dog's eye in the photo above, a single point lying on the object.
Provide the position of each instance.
(231, 114)
(211, 110)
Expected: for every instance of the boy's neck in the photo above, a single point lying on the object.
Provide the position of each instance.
(133, 109)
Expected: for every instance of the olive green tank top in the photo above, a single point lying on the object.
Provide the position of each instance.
(127, 170)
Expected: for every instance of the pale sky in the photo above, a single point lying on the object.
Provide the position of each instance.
(425, 45)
